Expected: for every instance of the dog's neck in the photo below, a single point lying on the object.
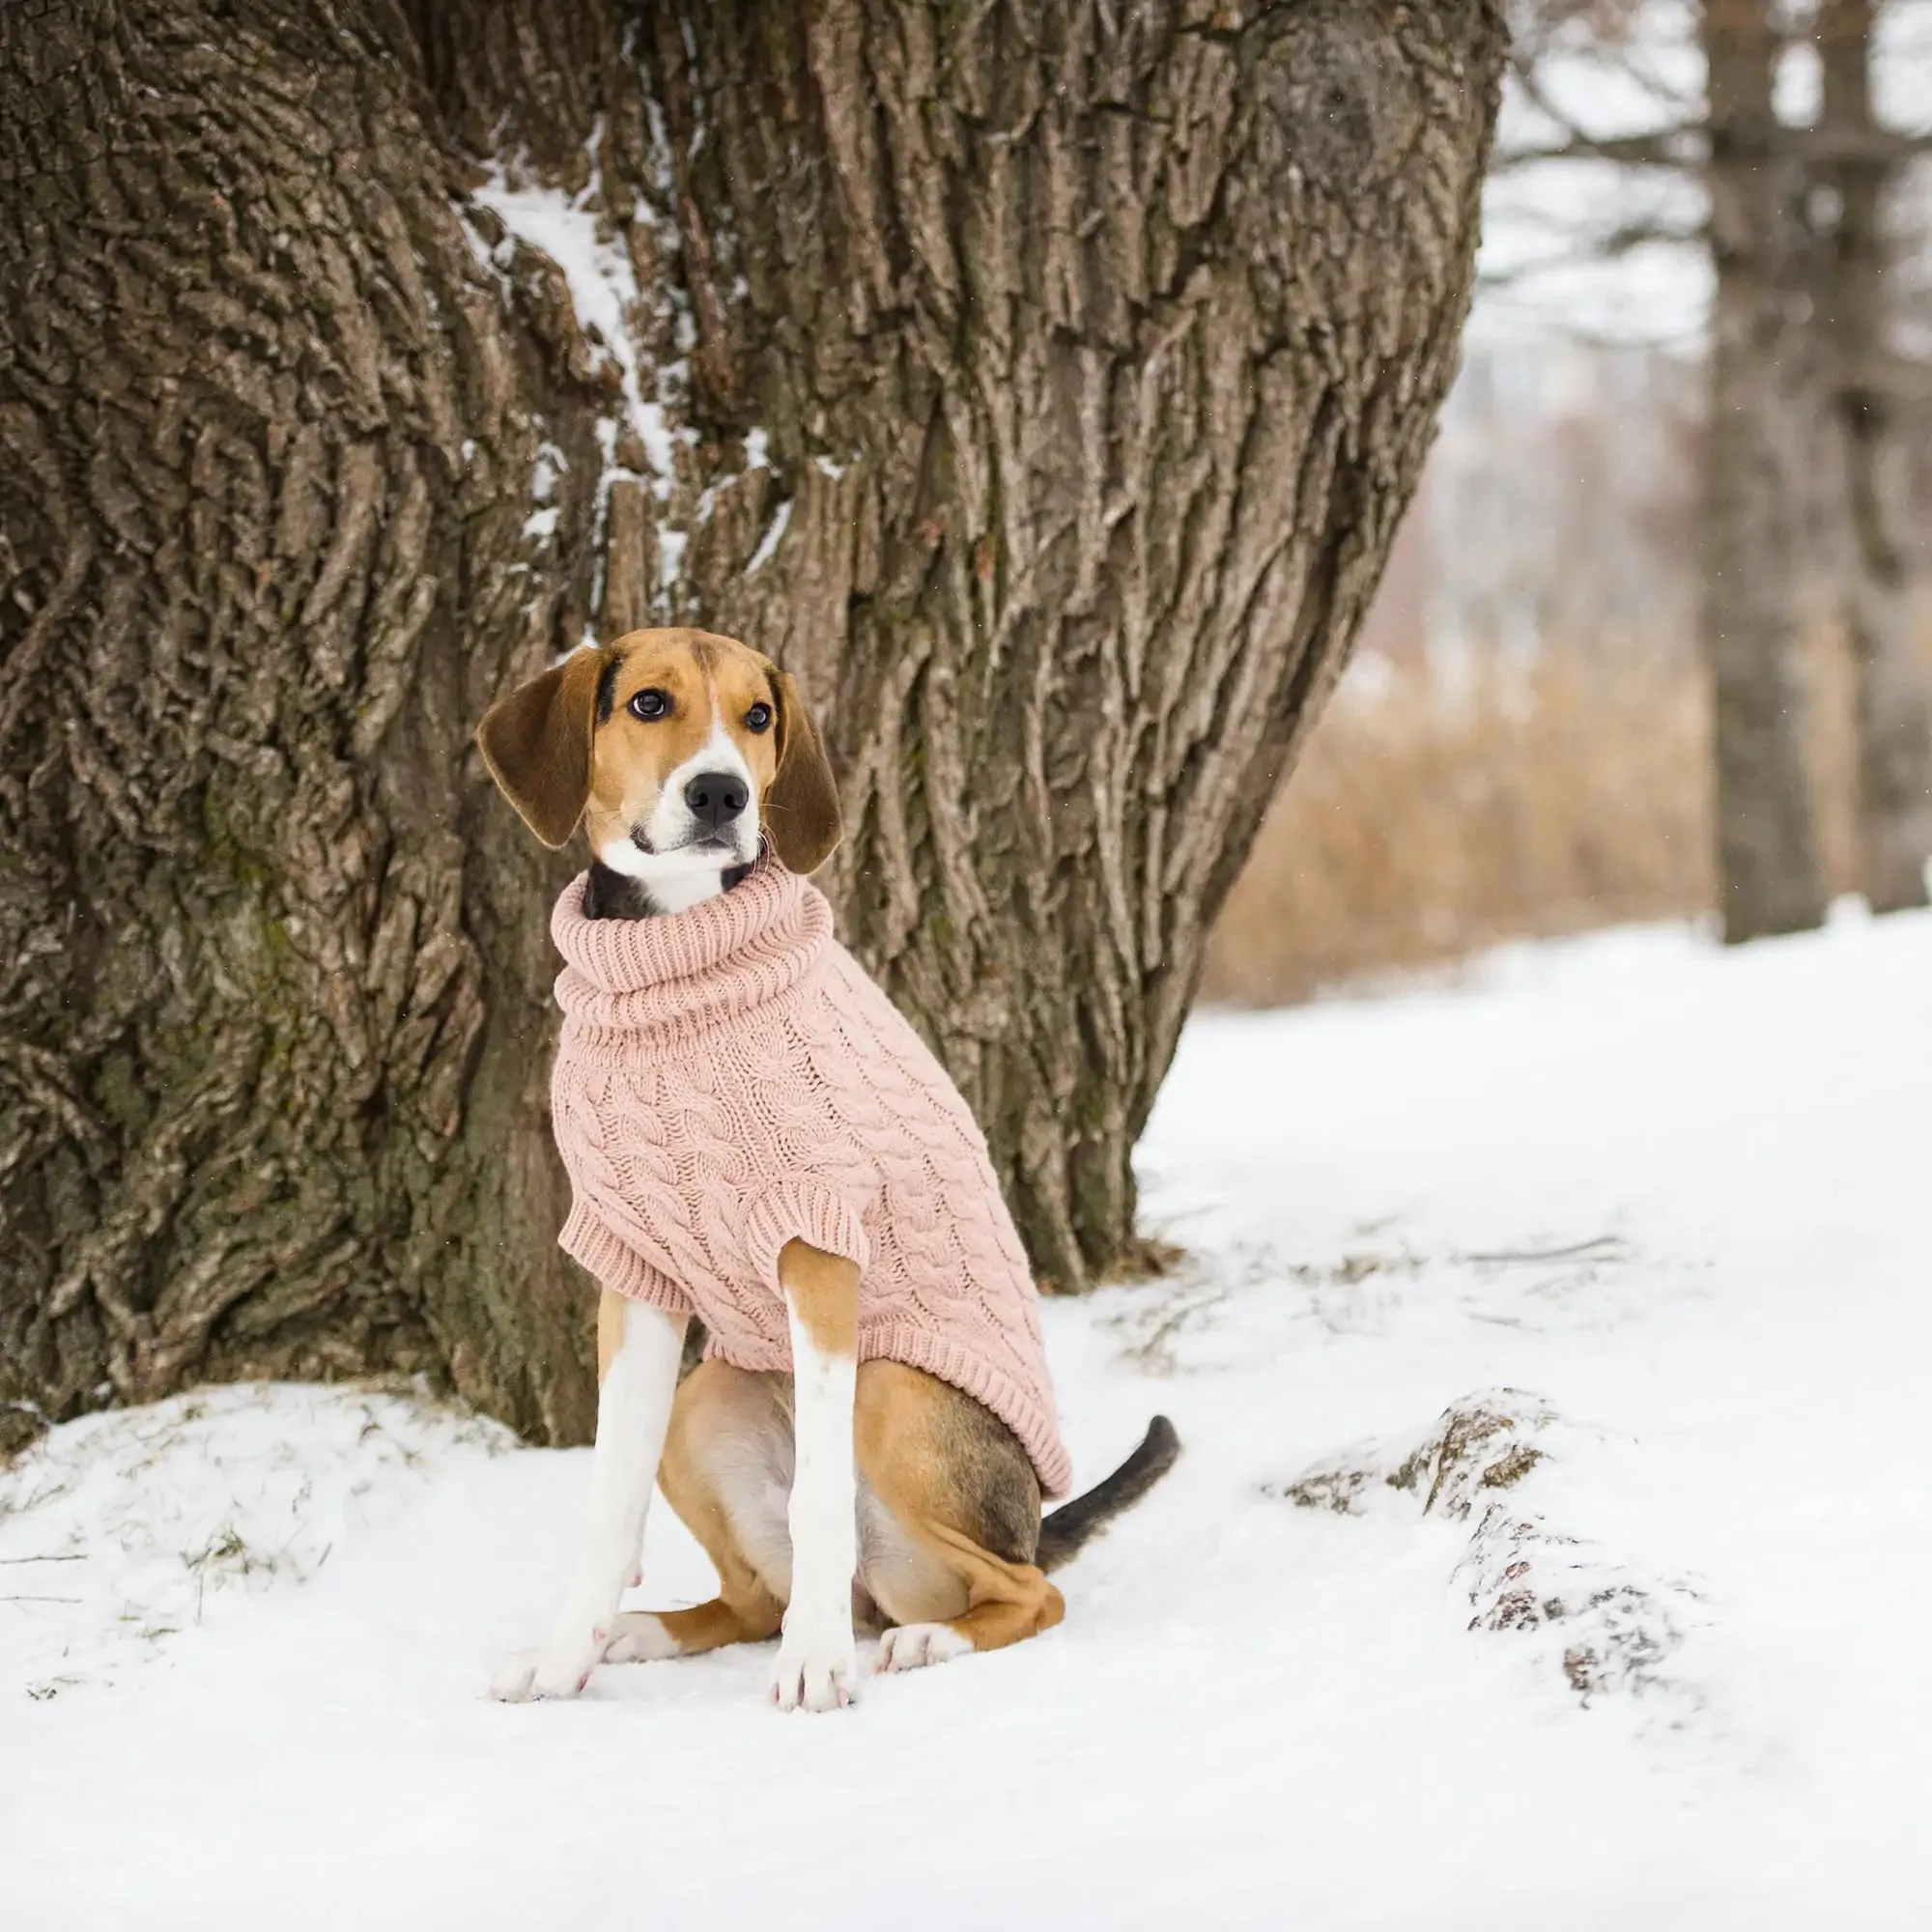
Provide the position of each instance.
(612, 895)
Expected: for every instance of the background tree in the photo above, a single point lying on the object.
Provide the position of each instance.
(1043, 383)
(1769, 875)
(1859, 164)
(1797, 352)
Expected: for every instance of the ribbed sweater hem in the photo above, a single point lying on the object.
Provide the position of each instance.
(588, 1243)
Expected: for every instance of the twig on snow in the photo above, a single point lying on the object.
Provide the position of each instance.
(1504, 1257)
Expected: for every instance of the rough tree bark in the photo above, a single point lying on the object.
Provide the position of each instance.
(1894, 693)
(1769, 877)
(1042, 382)
(275, 986)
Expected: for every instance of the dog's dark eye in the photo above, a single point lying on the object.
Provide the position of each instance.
(649, 705)
(758, 717)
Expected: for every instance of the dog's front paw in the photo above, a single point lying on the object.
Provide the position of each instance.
(560, 1669)
(816, 1668)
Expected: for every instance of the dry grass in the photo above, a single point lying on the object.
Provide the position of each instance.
(1428, 821)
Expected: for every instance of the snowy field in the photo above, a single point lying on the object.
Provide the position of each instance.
(1636, 1638)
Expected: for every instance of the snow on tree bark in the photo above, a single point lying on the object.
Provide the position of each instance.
(1042, 385)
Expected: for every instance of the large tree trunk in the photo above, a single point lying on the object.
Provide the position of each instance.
(275, 1002)
(1769, 877)
(1895, 704)
(1043, 382)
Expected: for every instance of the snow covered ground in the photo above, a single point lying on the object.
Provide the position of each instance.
(1678, 1203)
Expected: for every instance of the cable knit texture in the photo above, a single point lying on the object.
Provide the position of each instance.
(729, 1079)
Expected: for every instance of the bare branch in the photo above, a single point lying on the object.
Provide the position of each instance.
(1682, 148)
(1677, 148)
(1608, 245)
(1676, 145)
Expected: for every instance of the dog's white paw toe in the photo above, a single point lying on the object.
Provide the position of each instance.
(639, 1636)
(511, 1681)
(913, 1646)
(557, 1671)
(815, 1674)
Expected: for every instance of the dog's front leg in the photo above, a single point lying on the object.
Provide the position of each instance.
(817, 1656)
(633, 1399)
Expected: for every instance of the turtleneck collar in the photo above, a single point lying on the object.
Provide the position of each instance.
(642, 981)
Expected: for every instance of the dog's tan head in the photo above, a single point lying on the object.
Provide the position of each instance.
(673, 749)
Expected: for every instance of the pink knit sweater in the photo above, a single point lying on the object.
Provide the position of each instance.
(728, 1079)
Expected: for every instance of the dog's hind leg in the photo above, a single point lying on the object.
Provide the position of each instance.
(953, 1565)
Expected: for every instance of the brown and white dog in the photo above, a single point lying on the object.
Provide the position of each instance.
(677, 751)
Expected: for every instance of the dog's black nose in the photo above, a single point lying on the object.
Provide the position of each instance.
(717, 798)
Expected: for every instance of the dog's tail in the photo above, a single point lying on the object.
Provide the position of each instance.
(1069, 1530)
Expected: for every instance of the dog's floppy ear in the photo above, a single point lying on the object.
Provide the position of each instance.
(537, 745)
(802, 805)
